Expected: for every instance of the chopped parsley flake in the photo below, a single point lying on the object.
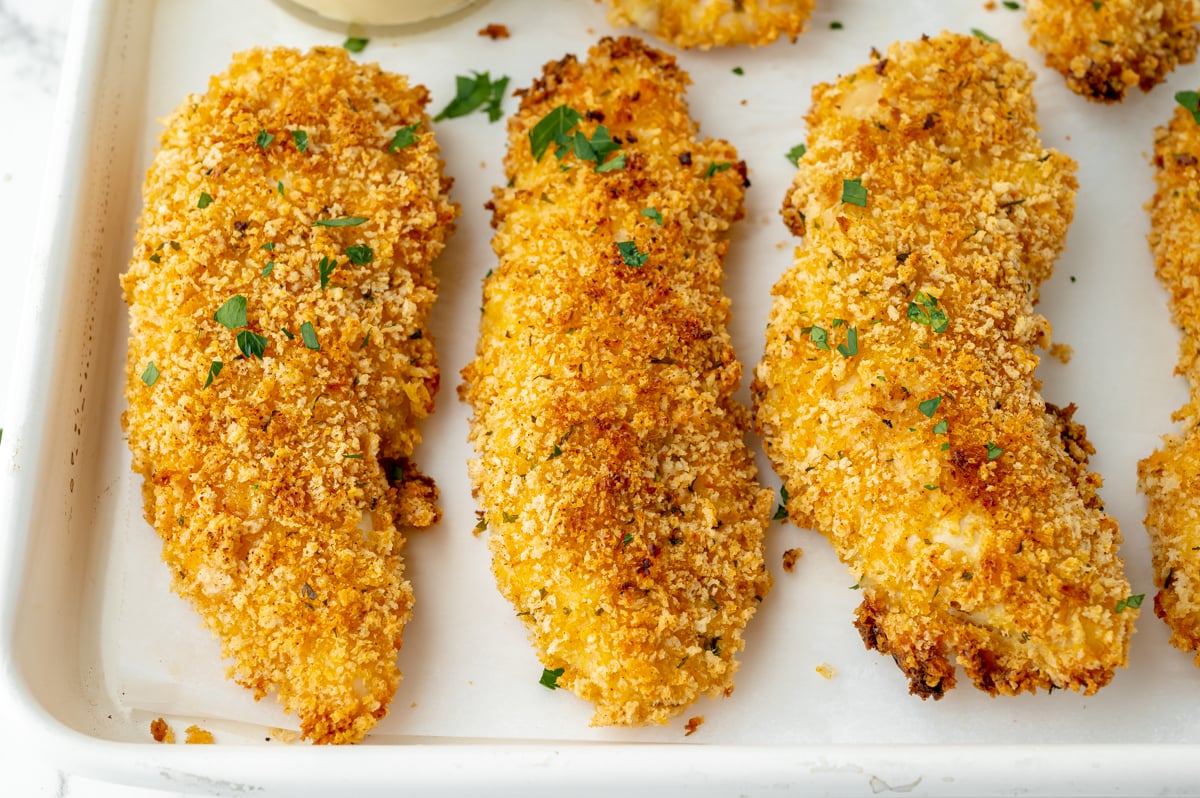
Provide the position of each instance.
(993, 451)
(264, 139)
(232, 314)
(630, 254)
(737, 70)
(270, 267)
(551, 128)
(931, 486)
(1011, 5)
(269, 246)
(850, 348)
(942, 427)
(150, 375)
(214, 369)
(818, 335)
(550, 678)
(1130, 602)
(835, 25)
(781, 512)
(325, 269)
(652, 213)
(279, 187)
(1191, 101)
(507, 517)
(930, 406)
(796, 153)
(853, 193)
(360, 254)
(301, 139)
(978, 34)
(344, 221)
(251, 344)
(309, 336)
(287, 333)
(352, 456)
(1096, 6)
(612, 164)
(719, 166)
(924, 310)
(405, 137)
(205, 200)
(471, 93)
(355, 44)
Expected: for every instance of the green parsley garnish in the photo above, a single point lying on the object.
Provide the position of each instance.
(269, 246)
(942, 427)
(978, 34)
(931, 486)
(1011, 5)
(155, 258)
(232, 314)
(930, 406)
(355, 44)
(924, 310)
(612, 164)
(835, 25)
(853, 193)
(270, 267)
(652, 213)
(301, 139)
(150, 375)
(627, 539)
(796, 153)
(850, 348)
(507, 517)
(1191, 101)
(251, 345)
(352, 456)
(550, 678)
(405, 137)
(360, 254)
(1096, 6)
(279, 187)
(630, 254)
(818, 335)
(555, 452)
(781, 512)
(993, 451)
(214, 369)
(345, 221)
(264, 139)
(205, 200)
(719, 166)
(737, 70)
(471, 93)
(552, 128)
(1130, 602)
(309, 336)
(287, 333)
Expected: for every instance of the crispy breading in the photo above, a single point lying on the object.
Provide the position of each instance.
(624, 514)
(1170, 477)
(278, 488)
(715, 23)
(1104, 49)
(897, 395)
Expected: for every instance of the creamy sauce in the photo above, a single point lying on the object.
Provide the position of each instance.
(383, 12)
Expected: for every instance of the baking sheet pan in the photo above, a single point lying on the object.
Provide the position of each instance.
(96, 645)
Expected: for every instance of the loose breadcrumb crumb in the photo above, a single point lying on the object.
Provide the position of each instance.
(1061, 352)
(692, 726)
(1170, 477)
(715, 23)
(623, 509)
(198, 736)
(278, 476)
(826, 670)
(161, 731)
(494, 31)
(790, 557)
(285, 736)
(920, 446)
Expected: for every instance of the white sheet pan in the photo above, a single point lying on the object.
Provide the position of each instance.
(95, 645)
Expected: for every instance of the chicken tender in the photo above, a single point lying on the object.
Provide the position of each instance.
(1105, 48)
(278, 363)
(625, 518)
(715, 23)
(1170, 478)
(897, 395)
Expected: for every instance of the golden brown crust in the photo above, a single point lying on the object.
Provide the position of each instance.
(625, 519)
(1105, 48)
(714, 23)
(259, 484)
(971, 522)
(1170, 477)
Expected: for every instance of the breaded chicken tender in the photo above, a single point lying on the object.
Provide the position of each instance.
(625, 518)
(1105, 48)
(715, 23)
(1170, 477)
(897, 395)
(278, 364)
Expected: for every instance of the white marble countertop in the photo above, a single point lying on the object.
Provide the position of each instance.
(32, 37)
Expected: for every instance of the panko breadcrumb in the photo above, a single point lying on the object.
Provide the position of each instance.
(714, 23)
(897, 394)
(278, 363)
(1170, 477)
(1105, 48)
(624, 514)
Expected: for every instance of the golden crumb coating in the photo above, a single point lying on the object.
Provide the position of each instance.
(1105, 48)
(1170, 477)
(897, 394)
(274, 435)
(626, 521)
(715, 23)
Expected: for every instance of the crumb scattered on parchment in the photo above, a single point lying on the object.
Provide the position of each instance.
(690, 727)
(827, 670)
(285, 735)
(990, 5)
(494, 31)
(161, 732)
(789, 558)
(1061, 352)
(198, 736)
